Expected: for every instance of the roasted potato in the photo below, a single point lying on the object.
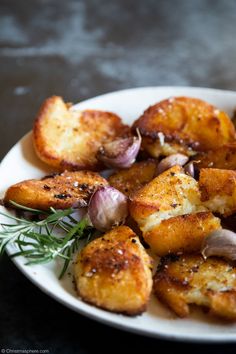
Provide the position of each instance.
(185, 125)
(168, 210)
(132, 179)
(218, 190)
(170, 194)
(60, 191)
(69, 139)
(189, 279)
(183, 233)
(114, 272)
(224, 157)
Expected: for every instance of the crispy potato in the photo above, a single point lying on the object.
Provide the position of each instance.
(224, 157)
(60, 191)
(132, 179)
(189, 279)
(114, 272)
(183, 233)
(168, 210)
(184, 125)
(170, 194)
(69, 139)
(218, 190)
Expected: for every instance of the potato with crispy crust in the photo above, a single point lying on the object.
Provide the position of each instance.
(169, 212)
(170, 194)
(183, 233)
(66, 138)
(189, 279)
(60, 191)
(132, 179)
(224, 157)
(218, 190)
(185, 125)
(114, 272)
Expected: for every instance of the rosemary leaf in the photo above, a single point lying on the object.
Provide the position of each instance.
(35, 239)
(25, 208)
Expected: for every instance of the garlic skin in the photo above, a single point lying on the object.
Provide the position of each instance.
(120, 153)
(220, 243)
(107, 208)
(189, 169)
(170, 161)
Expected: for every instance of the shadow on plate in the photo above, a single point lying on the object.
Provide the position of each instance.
(30, 156)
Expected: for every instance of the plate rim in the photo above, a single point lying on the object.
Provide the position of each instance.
(202, 338)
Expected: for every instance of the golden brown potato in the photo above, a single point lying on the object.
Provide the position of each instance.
(218, 190)
(184, 233)
(185, 125)
(224, 157)
(189, 279)
(69, 139)
(60, 191)
(170, 194)
(114, 272)
(132, 179)
(170, 214)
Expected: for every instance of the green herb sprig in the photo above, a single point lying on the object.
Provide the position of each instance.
(57, 235)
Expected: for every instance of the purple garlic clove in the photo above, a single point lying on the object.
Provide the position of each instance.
(107, 208)
(120, 153)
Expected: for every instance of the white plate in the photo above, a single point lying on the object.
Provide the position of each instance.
(21, 163)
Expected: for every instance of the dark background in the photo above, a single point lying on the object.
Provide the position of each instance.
(79, 49)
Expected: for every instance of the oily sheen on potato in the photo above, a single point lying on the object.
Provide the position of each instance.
(181, 281)
(170, 213)
(132, 179)
(218, 190)
(114, 272)
(65, 138)
(183, 124)
(224, 157)
(60, 191)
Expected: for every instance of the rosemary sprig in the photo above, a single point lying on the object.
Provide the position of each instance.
(38, 241)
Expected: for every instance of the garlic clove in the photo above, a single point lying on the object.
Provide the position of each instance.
(220, 243)
(120, 153)
(170, 161)
(107, 208)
